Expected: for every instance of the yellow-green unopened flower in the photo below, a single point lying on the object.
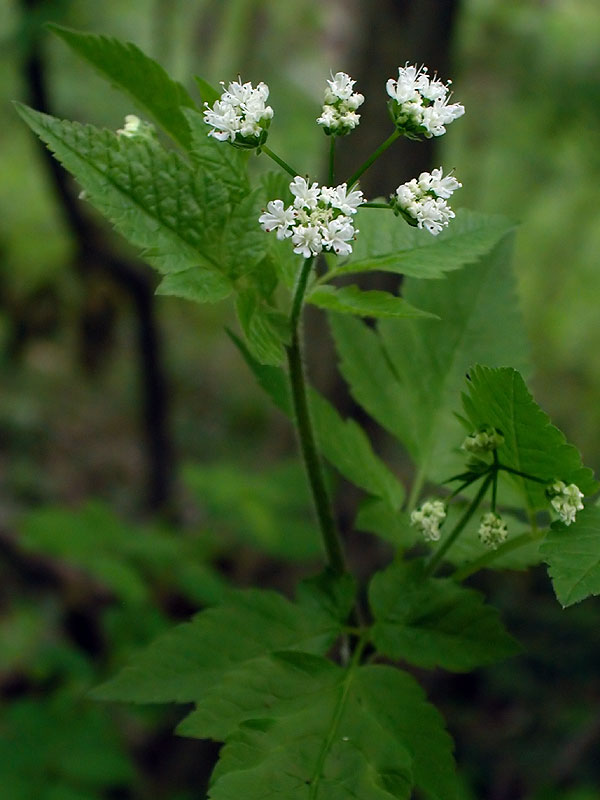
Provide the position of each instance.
(428, 519)
(492, 530)
(565, 500)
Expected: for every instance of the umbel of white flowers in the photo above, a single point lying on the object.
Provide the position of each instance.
(428, 519)
(241, 115)
(422, 201)
(320, 218)
(419, 105)
(339, 116)
(565, 500)
(492, 530)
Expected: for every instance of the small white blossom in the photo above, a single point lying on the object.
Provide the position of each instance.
(423, 203)
(492, 530)
(483, 441)
(319, 218)
(277, 218)
(339, 116)
(135, 128)
(565, 500)
(241, 115)
(428, 519)
(419, 104)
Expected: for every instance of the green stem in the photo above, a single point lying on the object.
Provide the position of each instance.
(376, 205)
(488, 558)
(308, 447)
(522, 474)
(458, 528)
(373, 157)
(331, 160)
(283, 164)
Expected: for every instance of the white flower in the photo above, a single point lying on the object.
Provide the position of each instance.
(337, 234)
(135, 128)
(241, 115)
(492, 530)
(318, 219)
(483, 441)
(339, 197)
(277, 218)
(305, 196)
(419, 104)
(339, 116)
(308, 241)
(429, 518)
(423, 203)
(565, 500)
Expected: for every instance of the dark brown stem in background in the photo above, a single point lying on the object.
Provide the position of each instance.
(94, 255)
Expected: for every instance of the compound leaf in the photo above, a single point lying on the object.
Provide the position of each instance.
(434, 622)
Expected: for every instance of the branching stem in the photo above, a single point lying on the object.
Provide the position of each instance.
(373, 157)
(283, 164)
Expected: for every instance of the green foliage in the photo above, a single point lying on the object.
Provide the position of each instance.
(351, 300)
(387, 243)
(134, 73)
(433, 621)
(222, 644)
(343, 442)
(499, 397)
(408, 373)
(268, 510)
(573, 557)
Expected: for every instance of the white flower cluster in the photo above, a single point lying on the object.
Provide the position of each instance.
(492, 530)
(339, 115)
(429, 518)
(565, 500)
(241, 115)
(419, 104)
(483, 441)
(422, 201)
(134, 128)
(317, 220)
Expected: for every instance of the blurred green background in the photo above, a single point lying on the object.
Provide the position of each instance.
(140, 468)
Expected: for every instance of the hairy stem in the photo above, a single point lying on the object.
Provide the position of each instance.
(458, 528)
(373, 157)
(308, 447)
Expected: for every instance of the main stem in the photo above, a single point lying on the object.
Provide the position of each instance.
(308, 447)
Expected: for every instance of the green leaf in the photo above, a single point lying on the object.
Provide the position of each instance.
(266, 329)
(207, 92)
(343, 442)
(178, 214)
(310, 729)
(434, 622)
(137, 75)
(499, 397)
(200, 284)
(220, 645)
(351, 300)
(224, 163)
(378, 517)
(573, 557)
(408, 374)
(388, 243)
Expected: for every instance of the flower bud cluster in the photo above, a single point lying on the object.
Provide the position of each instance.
(483, 441)
(320, 218)
(241, 115)
(339, 116)
(565, 500)
(135, 128)
(492, 530)
(428, 519)
(422, 201)
(419, 105)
